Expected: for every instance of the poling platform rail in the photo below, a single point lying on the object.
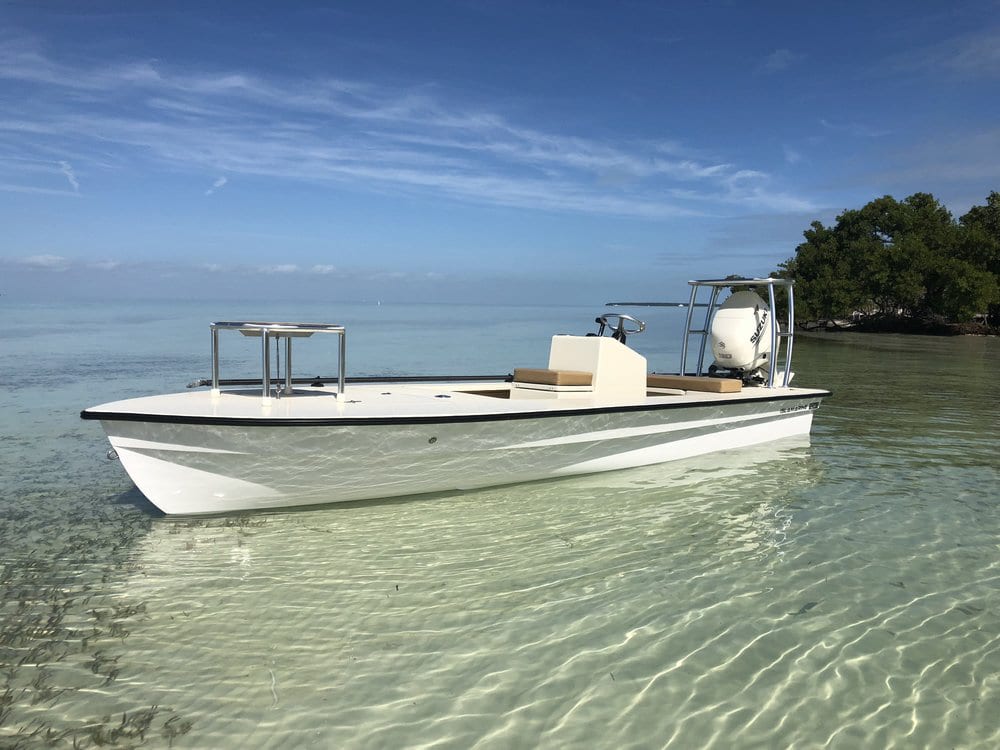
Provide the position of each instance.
(278, 331)
(777, 334)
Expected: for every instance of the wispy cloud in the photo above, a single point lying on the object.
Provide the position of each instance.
(60, 263)
(750, 189)
(963, 156)
(219, 183)
(44, 262)
(18, 188)
(323, 269)
(779, 60)
(975, 55)
(855, 129)
(356, 134)
(67, 170)
(39, 174)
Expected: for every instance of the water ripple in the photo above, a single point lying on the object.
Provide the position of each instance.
(843, 594)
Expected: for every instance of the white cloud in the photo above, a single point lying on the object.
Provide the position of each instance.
(45, 262)
(323, 269)
(280, 268)
(105, 265)
(67, 170)
(32, 189)
(30, 170)
(328, 131)
(219, 183)
(792, 156)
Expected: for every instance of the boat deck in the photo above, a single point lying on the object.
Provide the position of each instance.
(401, 402)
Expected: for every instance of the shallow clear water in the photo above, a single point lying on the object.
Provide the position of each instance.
(840, 594)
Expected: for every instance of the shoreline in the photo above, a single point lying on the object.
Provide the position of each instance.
(910, 326)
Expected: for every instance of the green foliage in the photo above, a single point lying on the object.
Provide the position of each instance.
(905, 258)
(981, 243)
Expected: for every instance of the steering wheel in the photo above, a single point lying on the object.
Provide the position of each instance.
(618, 323)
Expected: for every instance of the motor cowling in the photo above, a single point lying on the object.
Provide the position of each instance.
(741, 333)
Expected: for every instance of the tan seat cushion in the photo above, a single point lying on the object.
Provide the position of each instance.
(552, 377)
(694, 383)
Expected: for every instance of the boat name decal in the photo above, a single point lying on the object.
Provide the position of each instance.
(811, 406)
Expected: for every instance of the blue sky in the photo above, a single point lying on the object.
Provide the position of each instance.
(472, 150)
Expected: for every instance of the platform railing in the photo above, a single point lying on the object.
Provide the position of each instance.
(777, 335)
(277, 331)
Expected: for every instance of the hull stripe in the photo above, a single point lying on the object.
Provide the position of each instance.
(628, 432)
(107, 416)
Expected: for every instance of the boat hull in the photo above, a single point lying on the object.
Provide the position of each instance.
(214, 466)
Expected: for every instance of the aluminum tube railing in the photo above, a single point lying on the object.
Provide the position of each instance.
(772, 360)
(278, 331)
(717, 285)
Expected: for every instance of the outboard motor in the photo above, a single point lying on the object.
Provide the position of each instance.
(741, 337)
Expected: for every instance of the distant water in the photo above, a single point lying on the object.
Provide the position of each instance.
(841, 594)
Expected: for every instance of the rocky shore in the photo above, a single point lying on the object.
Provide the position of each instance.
(929, 326)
